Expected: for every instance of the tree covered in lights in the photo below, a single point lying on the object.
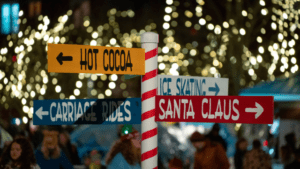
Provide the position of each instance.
(246, 41)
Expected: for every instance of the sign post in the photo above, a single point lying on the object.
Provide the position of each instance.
(87, 111)
(95, 59)
(149, 160)
(192, 86)
(215, 109)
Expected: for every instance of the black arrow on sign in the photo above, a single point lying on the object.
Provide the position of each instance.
(60, 58)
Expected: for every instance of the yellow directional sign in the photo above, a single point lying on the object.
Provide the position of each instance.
(95, 59)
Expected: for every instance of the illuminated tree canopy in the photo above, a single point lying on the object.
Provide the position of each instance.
(247, 42)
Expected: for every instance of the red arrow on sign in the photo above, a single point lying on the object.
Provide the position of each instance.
(215, 109)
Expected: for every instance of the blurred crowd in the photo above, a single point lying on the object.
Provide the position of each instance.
(50, 147)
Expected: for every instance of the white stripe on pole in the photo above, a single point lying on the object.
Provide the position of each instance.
(149, 42)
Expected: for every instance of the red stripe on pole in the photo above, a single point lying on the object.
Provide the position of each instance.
(149, 75)
(148, 134)
(151, 54)
(149, 154)
(148, 94)
(148, 114)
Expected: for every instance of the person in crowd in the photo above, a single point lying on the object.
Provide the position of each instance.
(175, 163)
(215, 137)
(96, 160)
(257, 158)
(291, 140)
(241, 149)
(87, 162)
(69, 149)
(208, 154)
(19, 155)
(49, 155)
(287, 151)
(126, 151)
(36, 136)
(296, 163)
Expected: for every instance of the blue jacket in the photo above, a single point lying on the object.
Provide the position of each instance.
(119, 162)
(62, 161)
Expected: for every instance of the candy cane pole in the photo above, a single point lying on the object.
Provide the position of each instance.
(149, 42)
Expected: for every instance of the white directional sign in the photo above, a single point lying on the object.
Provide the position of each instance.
(192, 86)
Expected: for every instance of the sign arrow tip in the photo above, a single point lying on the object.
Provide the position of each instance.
(217, 89)
(259, 109)
(39, 113)
(59, 58)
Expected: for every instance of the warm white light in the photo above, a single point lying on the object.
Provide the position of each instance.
(273, 25)
(261, 49)
(161, 66)
(217, 30)
(112, 85)
(25, 109)
(45, 80)
(202, 21)
(259, 58)
(292, 51)
(114, 77)
(65, 18)
(280, 36)
(225, 24)
(291, 43)
(264, 12)
(113, 41)
(56, 39)
(210, 26)
(198, 9)
(168, 9)
(251, 72)
(242, 31)
(165, 49)
(175, 66)
(213, 70)
(93, 43)
(21, 13)
(57, 88)
(284, 44)
(25, 119)
(166, 25)
(293, 60)
(253, 60)
(79, 84)
(167, 18)
(32, 94)
(285, 16)
(169, 2)
(43, 91)
(108, 92)
(24, 101)
(95, 35)
(77, 92)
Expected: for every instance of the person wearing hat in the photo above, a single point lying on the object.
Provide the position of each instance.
(208, 155)
(125, 153)
(215, 137)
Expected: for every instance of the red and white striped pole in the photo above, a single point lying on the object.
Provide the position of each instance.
(149, 42)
